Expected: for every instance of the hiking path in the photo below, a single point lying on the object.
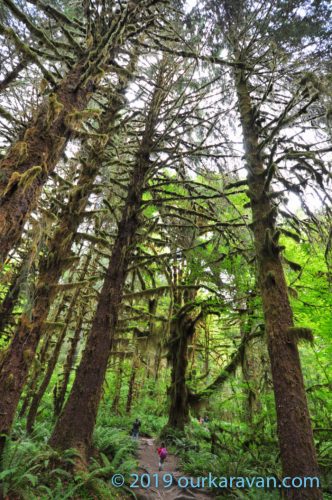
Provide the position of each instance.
(148, 464)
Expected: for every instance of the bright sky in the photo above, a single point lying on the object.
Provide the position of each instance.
(190, 4)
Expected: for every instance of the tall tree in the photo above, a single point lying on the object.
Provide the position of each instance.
(244, 27)
(34, 156)
(85, 395)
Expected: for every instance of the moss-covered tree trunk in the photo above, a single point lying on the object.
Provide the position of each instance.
(132, 382)
(294, 427)
(14, 369)
(178, 415)
(252, 360)
(31, 417)
(21, 352)
(61, 389)
(83, 401)
(118, 386)
(182, 332)
(30, 160)
(42, 356)
(34, 156)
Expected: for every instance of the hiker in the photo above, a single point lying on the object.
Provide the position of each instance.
(162, 452)
(135, 429)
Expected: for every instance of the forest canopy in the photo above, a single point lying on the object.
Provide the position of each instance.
(165, 246)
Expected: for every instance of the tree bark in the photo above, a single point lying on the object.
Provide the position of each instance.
(83, 401)
(62, 389)
(182, 331)
(34, 156)
(118, 386)
(132, 381)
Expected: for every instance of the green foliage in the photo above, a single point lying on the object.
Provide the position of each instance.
(34, 470)
(117, 446)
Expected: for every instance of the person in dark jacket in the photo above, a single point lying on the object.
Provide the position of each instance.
(135, 429)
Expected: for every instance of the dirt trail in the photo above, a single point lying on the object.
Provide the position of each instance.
(148, 464)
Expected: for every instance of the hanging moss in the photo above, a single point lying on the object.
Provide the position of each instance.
(301, 333)
(55, 108)
(24, 180)
(29, 176)
(12, 183)
(19, 151)
(293, 265)
(74, 119)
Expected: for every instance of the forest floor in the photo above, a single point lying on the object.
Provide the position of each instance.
(148, 464)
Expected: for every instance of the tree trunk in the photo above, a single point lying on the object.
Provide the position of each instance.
(118, 386)
(62, 389)
(34, 156)
(294, 427)
(56, 352)
(182, 331)
(82, 404)
(131, 385)
(179, 408)
(42, 356)
(251, 362)
(30, 160)
(83, 401)
(251, 371)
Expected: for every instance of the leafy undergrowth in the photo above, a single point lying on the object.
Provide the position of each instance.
(151, 424)
(225, 449)
(34, 470)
